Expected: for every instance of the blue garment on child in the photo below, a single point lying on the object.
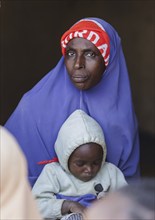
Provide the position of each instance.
(84, 200)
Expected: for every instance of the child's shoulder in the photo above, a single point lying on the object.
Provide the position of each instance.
(52, 167)
(110, 166)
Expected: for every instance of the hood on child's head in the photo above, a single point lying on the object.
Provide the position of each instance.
(78, 129)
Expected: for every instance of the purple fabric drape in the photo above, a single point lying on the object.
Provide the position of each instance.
(42, 110)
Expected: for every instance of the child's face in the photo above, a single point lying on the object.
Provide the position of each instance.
(85, 162)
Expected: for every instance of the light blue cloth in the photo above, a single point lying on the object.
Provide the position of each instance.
(40, 113)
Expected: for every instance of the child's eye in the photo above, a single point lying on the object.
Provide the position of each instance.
(79, 163)
(98, 162)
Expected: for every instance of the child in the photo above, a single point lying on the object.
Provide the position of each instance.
(81, 175)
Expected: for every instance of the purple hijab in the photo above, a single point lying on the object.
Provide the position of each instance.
(42, 110)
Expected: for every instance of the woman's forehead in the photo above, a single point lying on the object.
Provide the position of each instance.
(80, 41)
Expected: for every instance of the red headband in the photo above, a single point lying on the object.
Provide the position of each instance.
(89, 30)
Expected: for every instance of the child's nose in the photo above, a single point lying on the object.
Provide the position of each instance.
(88, 168)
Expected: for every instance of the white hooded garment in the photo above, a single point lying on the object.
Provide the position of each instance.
(56, 178)
(16, 202)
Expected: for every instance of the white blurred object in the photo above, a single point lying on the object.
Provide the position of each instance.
(16, 200)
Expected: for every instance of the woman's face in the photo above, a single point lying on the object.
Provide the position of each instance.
(85, 162)
(84, 63)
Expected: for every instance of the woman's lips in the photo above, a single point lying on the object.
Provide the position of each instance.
(79, 79)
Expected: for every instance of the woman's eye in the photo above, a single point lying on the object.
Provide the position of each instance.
(90, 54)
(70, 53)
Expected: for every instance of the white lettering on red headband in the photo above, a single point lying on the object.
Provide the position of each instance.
(91, 36)
(73, 35)
(103, 49)
(80, 33)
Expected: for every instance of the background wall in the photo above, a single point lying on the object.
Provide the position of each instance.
(30, 43)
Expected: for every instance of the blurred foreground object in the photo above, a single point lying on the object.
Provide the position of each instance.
(16, 199)
(134, 201)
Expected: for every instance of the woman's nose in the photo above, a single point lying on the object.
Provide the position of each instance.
(79, 62)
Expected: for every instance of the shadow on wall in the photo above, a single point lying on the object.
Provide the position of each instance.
(147, 154)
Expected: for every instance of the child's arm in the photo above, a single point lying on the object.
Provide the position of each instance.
(44, 190)
(71, 206)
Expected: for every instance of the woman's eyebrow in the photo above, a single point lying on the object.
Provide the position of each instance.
(74, 48)
(83, 50)
(69, 48)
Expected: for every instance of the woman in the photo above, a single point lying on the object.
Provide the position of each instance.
(91, 76)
